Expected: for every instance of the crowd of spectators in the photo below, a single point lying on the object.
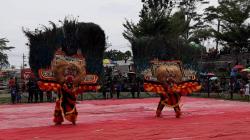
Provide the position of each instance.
(115, 83)
(30, 90)
(237, 84)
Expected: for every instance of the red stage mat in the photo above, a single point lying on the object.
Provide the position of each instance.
(130, 119)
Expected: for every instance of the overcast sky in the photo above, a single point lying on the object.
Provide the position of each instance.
(109, 14)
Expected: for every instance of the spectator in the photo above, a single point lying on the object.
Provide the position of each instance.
(49, 96)
(11, 82)
(36, 91)
(118, 85)
(12, 87)
(18, 93)
(216, 86)
(104, 91)
(107, 84)
(247, 89)
(40, 93)
(54, 96)
(13, 95)
(31, 90)
(237, 86)
(139, 86)
(223, 83)
(132, 81)
(112, 88)
(23, 87)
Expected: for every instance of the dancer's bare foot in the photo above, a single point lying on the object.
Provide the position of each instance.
(178, 114)
(58, 123)
(158, 114)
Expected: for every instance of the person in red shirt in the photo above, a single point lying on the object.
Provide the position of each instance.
(13, 90)
(11, 82)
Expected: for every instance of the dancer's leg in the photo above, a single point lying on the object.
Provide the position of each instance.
(177, 111)
(58, 118)
(160, 106)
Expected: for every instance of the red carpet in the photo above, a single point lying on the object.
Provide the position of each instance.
(130, 119)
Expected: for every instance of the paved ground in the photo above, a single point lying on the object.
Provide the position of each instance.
(130, 119)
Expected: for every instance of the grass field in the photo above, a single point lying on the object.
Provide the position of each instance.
(5, 97)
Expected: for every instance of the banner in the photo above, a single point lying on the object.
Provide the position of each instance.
(26, 74)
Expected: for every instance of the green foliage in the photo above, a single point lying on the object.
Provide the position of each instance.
(160, 33)
(193, 19)
(235, 29)
(201, 35)
(128, 53)
(116, 55)
(153, 20)
(3, 56)
(149, 48)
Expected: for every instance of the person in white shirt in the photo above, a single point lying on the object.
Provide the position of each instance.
(247, 89)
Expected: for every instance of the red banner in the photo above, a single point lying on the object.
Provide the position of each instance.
(26, 74)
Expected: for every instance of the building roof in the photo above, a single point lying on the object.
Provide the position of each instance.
(123, 63)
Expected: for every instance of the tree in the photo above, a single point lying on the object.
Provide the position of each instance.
(3, 56)
(153, 20)
(161, 32)
(193, 20)
(128, 54)
(116, 55)
(148, 37)
(235, 28)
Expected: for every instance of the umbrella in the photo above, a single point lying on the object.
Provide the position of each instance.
(245, 70)
(238, 67)
(210, 74)
(213, 78)
(106, 61)
(203, 74)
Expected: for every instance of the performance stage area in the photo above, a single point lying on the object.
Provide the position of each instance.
(129, 119)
